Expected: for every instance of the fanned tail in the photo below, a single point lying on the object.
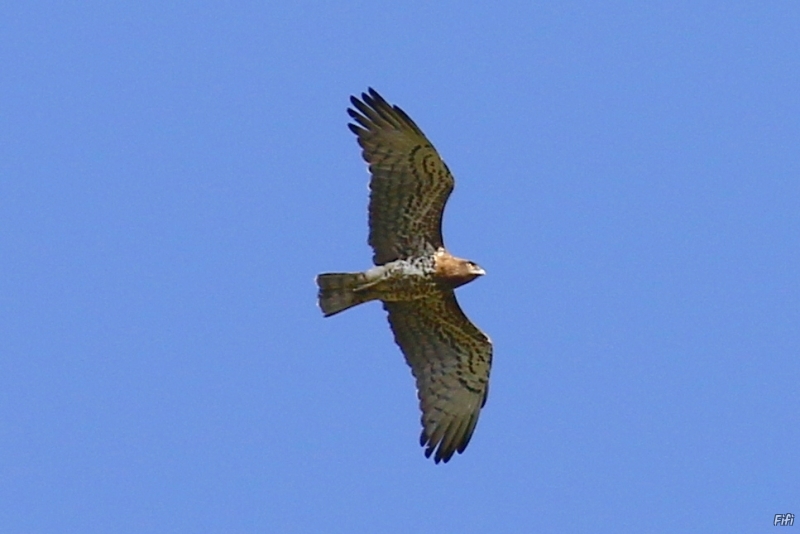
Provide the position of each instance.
(338, 291)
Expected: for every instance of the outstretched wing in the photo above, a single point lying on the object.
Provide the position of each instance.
(410, 183)
(450, 358)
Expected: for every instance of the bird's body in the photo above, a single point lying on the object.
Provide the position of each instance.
(400, 280)
(414, 275)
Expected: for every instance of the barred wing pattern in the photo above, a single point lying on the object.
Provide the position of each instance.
(450, 359)
(410, 183)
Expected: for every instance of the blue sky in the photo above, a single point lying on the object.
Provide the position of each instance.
(172, 177)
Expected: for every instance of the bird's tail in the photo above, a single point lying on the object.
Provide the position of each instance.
(340, 291)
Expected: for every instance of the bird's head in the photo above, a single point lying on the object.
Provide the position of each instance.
(474, 269)
(466, 272)
(455, 272)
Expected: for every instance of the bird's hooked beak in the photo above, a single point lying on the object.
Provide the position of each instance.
(478, 270)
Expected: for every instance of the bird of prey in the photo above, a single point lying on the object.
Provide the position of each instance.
(414, 275)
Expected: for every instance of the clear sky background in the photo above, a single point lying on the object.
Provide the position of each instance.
(174, 175)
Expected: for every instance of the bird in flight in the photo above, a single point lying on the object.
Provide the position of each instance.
(415, 276)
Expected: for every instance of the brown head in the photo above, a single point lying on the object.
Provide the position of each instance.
(453, 272)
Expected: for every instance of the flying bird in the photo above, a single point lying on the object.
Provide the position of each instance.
(415, 276)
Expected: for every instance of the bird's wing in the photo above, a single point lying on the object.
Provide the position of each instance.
(410, 183)
(450, 358)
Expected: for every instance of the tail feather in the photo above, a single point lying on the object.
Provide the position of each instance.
(337, 291)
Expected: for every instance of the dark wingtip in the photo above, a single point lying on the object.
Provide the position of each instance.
(355, 129)
(375, 95)
(441, 455)
(428, 448)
